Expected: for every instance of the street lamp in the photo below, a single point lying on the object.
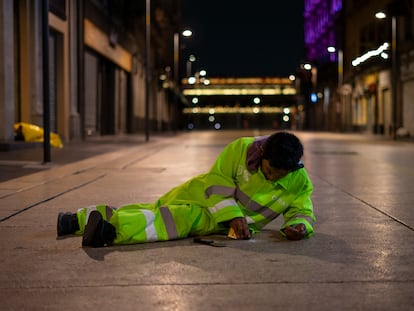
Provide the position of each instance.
(306, 82)
(191, 59)
(307, 66)
(332, 49)
(185, 33)
(394, 68)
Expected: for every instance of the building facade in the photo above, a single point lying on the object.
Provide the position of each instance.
(376, 50)
(323, 29)
(242, 103)
(97, 71)
(371, 68)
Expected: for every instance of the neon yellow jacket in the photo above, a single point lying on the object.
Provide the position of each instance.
(236, 187)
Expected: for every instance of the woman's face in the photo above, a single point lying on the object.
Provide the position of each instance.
(272, 173)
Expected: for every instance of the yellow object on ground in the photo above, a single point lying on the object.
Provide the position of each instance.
(33, 133)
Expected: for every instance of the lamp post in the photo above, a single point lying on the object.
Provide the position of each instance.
(306, 86)
(339, 102)
(394, 70)
(185, 33)
(147, 64)
(176, 57)
(394, 74)
(332, 49)
(191, 59)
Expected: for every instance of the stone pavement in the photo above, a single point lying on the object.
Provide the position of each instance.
(27, 158)
(360, 258)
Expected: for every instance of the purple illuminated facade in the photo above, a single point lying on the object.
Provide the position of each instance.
(321, 29)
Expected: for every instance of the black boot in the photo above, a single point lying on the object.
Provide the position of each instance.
(98, 232)
(67, 223)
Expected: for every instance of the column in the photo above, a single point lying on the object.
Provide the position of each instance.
(6, 71)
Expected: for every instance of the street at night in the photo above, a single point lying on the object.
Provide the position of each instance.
(360, 257)
(207, 156)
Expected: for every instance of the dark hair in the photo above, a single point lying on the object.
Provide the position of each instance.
(283, 150)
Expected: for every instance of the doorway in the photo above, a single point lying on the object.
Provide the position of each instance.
(105, 96)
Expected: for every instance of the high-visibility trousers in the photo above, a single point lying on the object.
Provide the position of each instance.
(140, 223)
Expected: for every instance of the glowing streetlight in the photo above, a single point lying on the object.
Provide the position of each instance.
(380, 15)
(332, 49)
(307, 66)
(185, 33)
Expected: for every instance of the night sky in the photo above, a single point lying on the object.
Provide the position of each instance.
(240, 38)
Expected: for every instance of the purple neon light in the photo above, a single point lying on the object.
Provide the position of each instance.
(319, 17)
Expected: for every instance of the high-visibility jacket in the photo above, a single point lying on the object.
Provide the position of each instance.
(234, 187)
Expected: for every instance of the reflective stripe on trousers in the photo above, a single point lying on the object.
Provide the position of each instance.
(150, 228)
(169, 223)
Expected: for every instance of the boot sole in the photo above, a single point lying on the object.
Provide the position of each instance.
(59, 225)
(62, 228)
(95, 218)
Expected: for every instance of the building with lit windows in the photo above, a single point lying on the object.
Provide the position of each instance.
(323, 50)
(378, 65)
(97, 53)
(363, 64)
(321, 18)
(241, 103)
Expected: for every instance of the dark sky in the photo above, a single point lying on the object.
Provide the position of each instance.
(240, 38)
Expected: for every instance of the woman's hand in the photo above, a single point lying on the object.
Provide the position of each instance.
(296, 232)
(240, 227)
